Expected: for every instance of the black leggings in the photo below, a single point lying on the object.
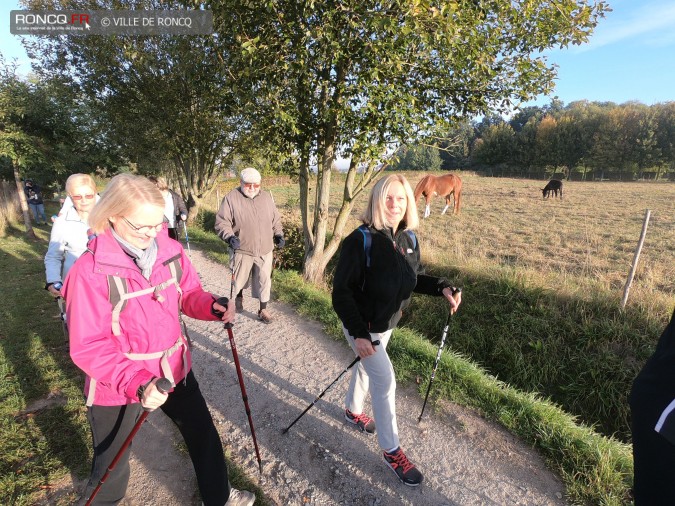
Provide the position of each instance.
(186, 406)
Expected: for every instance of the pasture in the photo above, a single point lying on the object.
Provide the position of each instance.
(584, 242)
(543, 281)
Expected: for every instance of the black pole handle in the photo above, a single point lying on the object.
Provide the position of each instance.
(223, 301)
(163, 385)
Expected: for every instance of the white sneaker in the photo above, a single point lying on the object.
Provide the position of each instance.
(240, 498)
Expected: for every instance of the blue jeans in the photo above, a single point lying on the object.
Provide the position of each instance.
(38, 210)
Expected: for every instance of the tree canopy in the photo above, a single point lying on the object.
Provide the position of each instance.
(605, 140)
(359, 78)
(169, 102)
(312, 80)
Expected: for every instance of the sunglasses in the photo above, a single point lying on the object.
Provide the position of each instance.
(252, 185)
(88, 196)
(144, 229)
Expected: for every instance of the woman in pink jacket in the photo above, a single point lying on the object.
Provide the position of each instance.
(122, 301)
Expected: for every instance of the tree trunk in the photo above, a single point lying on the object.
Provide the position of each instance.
(303, 182)
(317, 259)
(24, 203)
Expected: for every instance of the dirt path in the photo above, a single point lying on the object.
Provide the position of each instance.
(322, 460)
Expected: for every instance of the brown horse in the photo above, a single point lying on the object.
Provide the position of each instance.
(439, 185)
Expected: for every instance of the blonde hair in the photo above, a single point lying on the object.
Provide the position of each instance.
(375, 216)
(160, 182)
(75, 180)
(124, 193)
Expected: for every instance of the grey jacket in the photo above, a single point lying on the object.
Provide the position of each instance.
(255, 221)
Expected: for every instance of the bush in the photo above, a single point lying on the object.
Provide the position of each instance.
(292, 255)
(206, 219)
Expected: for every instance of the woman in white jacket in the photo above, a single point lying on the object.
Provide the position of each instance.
(69, 233)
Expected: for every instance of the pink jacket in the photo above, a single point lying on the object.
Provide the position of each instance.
(147, 324)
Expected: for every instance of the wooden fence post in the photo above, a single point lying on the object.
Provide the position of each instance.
(636, 257)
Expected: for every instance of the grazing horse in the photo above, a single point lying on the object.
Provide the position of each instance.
(553, 186)
(439, 185)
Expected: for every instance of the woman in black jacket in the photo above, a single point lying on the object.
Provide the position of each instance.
(378, 269)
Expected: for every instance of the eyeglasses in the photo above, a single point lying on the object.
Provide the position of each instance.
(252, 185)
(144, 229)
(88, 196)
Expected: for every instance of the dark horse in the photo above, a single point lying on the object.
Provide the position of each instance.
(553, 186)
(444, 186)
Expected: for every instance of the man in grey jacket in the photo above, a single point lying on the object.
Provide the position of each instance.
(249, 222)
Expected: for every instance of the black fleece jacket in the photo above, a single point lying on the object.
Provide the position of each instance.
(372, 299)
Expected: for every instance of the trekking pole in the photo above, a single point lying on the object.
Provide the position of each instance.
(231, 253)
(228, 326)
(438, 358)
(187, 239)
(62, 315)
(163, 385)
(375, 343)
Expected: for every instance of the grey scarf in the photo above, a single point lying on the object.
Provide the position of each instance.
(144, 258)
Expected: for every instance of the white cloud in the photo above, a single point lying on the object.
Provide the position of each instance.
(652, 22)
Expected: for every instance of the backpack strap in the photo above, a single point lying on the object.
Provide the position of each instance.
(413, 238)
(367, 242)
(118, 295)
(118, 291)
(163, 357)
(176, 273)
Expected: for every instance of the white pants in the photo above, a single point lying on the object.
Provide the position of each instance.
(260, 268)
(375, 373)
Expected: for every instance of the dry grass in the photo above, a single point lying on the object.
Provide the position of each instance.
(584, 242)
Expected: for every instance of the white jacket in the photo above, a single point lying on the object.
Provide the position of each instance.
(66, 243)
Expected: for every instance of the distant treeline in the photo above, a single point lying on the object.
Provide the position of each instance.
(583, 140)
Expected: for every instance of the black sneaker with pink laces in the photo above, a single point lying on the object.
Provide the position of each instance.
(404, 469)
(363, 422)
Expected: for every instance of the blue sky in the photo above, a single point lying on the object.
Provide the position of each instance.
(631, 55)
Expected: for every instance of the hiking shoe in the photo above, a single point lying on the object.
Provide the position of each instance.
(239, 304)
(404, 469)
(240, 498)
(363, 422)
(264, 316)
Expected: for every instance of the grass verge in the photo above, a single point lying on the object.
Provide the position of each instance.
(584, 352)
(596, 469)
